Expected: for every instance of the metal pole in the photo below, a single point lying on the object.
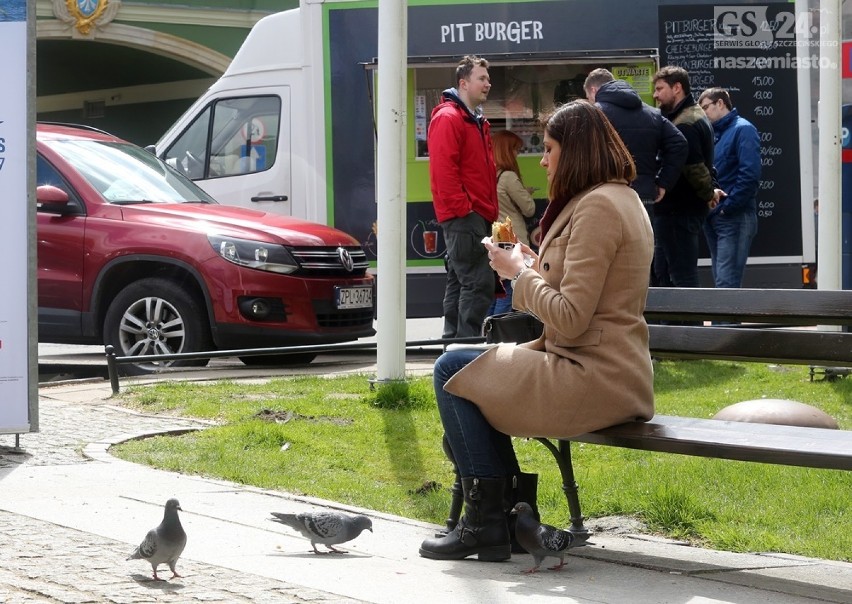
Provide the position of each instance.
(830, 124)
(390, 172)
(112, 368)
(806, 144)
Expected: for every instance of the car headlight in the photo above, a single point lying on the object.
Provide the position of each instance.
(254, 254)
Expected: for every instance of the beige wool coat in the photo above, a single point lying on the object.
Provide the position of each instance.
(591, 368)
(515, 202)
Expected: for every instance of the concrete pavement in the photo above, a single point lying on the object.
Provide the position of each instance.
(70, 513)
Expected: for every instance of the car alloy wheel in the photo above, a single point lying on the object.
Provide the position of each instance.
(155, 316)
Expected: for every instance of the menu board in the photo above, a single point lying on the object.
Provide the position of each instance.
(758, 68)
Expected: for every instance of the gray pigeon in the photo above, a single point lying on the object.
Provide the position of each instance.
(328, 528)
(164, 543)
(543, 540)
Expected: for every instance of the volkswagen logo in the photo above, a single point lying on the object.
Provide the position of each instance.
(345, 259)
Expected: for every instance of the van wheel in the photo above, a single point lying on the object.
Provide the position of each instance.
(279, 360)
(155, 316)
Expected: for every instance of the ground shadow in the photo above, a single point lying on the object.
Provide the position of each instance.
(162, 585)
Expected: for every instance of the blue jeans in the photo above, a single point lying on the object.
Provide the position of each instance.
(479, 450)
(504, 304)
(729, 238)
(676, 250)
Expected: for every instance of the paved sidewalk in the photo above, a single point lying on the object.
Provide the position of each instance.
(70, 513)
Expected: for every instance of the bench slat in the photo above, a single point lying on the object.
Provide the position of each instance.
(787, 306)
(803, 347)
(765, 443)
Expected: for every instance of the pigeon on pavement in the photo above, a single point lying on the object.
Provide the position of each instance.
(328, 528)
(164, 543)
(543, 540)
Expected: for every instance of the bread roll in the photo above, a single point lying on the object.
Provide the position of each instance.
(502, 232)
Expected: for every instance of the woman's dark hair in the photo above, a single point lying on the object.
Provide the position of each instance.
(591, 152)
(506, 145)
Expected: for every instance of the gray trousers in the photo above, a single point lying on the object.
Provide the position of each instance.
(470, 280)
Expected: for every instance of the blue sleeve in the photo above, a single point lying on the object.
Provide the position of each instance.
(746, 145)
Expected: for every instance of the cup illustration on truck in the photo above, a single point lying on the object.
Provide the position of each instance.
(425, 241)
(430, 241)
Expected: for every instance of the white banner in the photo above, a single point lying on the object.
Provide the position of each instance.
(14, 345)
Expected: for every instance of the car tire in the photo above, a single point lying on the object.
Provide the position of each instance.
(279, 360)
(156, 316)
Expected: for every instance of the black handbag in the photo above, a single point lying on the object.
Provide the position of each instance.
(515, 326)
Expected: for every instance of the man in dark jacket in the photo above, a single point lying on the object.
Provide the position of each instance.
(732, 222)
(658, 148)
(463, 178)
(679, 216)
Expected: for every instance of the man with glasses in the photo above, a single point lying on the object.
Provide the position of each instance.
(731, 224)
(679, 215)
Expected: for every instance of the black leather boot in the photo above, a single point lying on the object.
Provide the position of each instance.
(482, 531)
(456, 491)
(520, 487)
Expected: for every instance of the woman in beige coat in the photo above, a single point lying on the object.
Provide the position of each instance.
(591, 368)
(515, 200)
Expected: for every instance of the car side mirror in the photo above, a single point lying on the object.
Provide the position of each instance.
(51, 199)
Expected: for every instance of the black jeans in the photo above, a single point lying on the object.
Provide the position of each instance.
(470, 280)
(676, 250)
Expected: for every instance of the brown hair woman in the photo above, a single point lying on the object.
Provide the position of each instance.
(591, 367)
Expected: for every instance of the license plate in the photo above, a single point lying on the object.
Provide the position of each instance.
(353, 297)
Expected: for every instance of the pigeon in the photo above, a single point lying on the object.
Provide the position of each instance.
(543, 540)
(164, 543)
(328, 528)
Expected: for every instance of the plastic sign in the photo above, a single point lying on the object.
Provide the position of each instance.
(14, 344)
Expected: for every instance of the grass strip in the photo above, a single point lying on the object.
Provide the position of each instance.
(334, 438)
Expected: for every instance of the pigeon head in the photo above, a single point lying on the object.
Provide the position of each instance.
(363, 523)
(173, 505)
(522, 509)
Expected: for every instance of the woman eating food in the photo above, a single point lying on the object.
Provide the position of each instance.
(591, 367)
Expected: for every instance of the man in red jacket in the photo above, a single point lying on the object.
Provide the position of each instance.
(464, 192)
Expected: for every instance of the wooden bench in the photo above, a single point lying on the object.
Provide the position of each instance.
(772, 326)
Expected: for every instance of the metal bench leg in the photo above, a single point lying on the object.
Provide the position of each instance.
(569, 485)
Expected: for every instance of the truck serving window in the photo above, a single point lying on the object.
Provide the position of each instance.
(521, 93)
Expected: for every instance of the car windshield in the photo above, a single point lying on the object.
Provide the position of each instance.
(124, 173)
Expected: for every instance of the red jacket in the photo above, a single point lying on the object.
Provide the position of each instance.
(461, 162)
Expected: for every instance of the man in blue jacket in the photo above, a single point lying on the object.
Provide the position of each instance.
(658, 148)
(731, 224)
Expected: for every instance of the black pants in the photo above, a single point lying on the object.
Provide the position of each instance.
(470, 280)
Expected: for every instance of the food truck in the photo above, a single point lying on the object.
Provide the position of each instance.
(290, 126)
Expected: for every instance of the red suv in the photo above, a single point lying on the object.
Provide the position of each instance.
(133, 254)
